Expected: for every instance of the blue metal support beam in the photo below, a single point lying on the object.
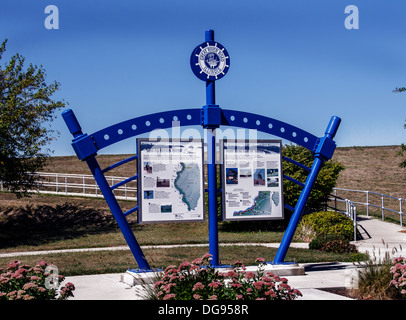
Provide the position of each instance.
(211, 123)
(321, 154)
(76, 131)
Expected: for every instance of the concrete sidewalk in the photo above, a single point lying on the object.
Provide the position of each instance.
(381, 237)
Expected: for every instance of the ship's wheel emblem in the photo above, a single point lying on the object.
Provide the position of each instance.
(210, 61)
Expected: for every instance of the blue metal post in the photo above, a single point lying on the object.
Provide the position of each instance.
(212, 172)
(76, 131)
(323, 152)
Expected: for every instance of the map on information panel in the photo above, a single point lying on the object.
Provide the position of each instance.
(252, 180)
(170, 180)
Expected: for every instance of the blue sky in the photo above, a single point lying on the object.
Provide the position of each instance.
(291, 60)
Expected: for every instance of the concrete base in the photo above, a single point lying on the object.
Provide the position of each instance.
(135, 277)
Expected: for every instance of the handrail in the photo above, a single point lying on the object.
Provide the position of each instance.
(381, 206)
(350, 211)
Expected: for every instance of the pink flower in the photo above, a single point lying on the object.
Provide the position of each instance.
(198, 286)
(238, 263)
(258, 285)
(70, 286)
(231, 274)
(169, 296)
(236, 285)
(158, 283)
(198, 261)
(196, 296)
(260, 260)
(207, 256)
(249, 275)
(215, 284)
(42, 263)
(213, 297)
(172, 267)
(34, 278)
(239, 297)
(192, 268)
(184, 265)
(270, 293)
(29, 285)
(14, 264)
(168, 287)
(12, 293)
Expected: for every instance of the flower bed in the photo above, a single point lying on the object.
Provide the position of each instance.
(399, 275)
(200, 281)
(22, 282)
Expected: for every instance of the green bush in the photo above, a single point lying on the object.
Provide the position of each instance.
(339, 246)
(323, 187)
(325, 223)
(319, 241)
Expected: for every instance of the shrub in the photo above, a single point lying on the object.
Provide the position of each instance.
(339, 246)
(325, 223)
(325, 182)
(374, 278)
(22, 282)
(319, 241)
(398, 270)
(200, 281)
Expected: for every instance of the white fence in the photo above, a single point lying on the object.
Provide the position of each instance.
(80, 185)
(369, 199)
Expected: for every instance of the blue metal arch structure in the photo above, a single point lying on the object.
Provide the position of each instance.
(86, 147)
(210, 117)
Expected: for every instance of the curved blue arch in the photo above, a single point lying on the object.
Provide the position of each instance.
(189, 117)
(136, 126)
(268, 125)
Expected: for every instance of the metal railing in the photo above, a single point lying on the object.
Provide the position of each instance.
(350, 211)
(79, 185)
(375, 200)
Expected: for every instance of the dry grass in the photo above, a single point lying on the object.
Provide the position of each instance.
(71, 164)
(372, 168)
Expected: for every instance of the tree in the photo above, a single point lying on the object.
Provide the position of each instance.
(402, 146)
(325, 182)
(26, 109)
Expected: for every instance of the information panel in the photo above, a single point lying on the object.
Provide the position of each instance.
(252, 180)
(170, 180)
